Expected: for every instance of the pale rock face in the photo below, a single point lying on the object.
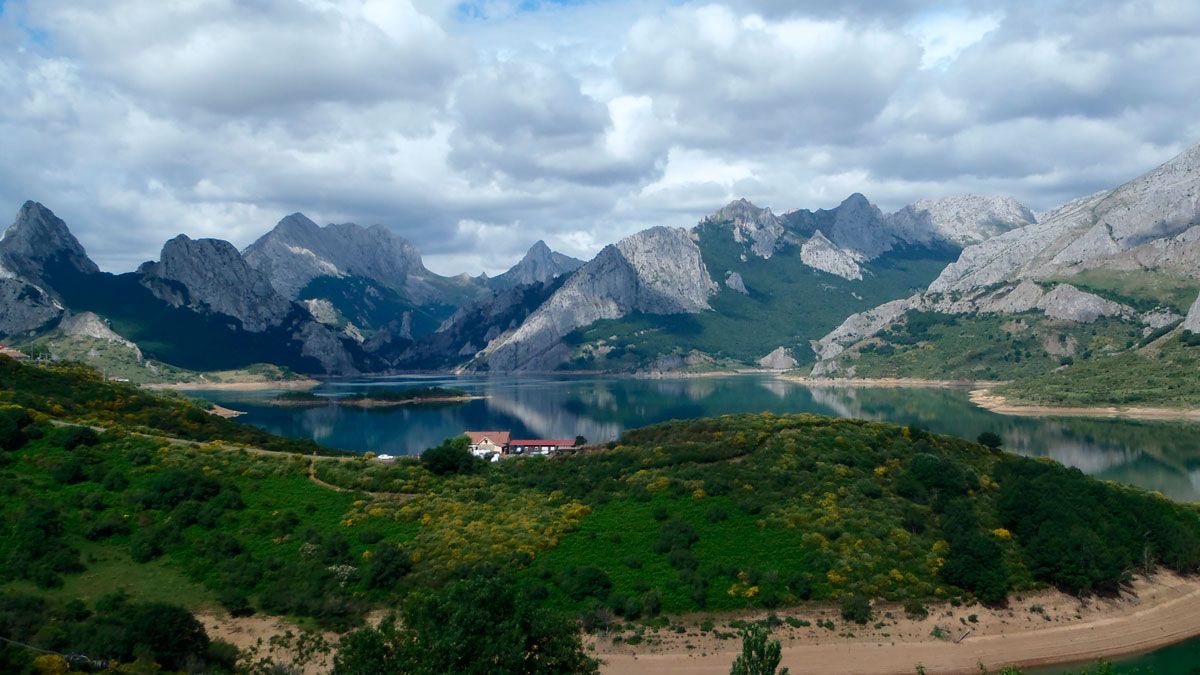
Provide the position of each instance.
(1146, 223)
(540, 264)
(734, 282)
(298, 251)
(656, 271)
(779, 359)
(324, 345)
(322, 310)
(89, 325)
(821, 254)
(36, 238)
(669, 363)
(1068, 303)
(863, 325)
(217, 279)
(1192, 322)
(1159, 318)
(25, 308)
(758, 226)
(962, 220)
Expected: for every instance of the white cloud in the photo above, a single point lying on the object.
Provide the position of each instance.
(477, 131)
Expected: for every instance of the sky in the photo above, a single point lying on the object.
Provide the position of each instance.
(476, 128)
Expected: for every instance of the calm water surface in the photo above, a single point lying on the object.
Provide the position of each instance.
(1162, 456)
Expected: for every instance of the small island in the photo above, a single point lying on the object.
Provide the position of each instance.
(377, 399)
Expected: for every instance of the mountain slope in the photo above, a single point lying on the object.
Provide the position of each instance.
(788, 281)
(656, 271)
(1100, 277)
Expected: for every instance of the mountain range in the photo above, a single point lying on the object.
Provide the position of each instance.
(743, 287)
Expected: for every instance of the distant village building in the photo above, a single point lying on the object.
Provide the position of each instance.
(385, 459)
(12, 353)
(484, 443)
(540, 446)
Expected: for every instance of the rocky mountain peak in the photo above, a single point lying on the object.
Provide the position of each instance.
(759, 227)
(298, 250)
(540, 264)
(656, 271)
(210, 274)
(36, 238)
(962, 219)
(1148, 223)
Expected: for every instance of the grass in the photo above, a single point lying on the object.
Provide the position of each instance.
(1160, 376)
(1143, 290)
(986, 347)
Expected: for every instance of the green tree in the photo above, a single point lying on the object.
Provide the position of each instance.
(990, 439)
(759, 656)
(481, 625)
(452, 456)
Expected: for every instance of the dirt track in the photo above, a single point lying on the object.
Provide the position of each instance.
(1163, 612)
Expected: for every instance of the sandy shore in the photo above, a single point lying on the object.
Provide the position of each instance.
(1067, 631)
(227, 413)
(877, 382)
(264, 385)
(984, 398)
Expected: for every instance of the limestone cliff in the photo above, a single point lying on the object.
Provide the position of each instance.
(656, 271)
(539, 265)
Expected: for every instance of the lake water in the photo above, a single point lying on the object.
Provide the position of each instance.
(1162, 456)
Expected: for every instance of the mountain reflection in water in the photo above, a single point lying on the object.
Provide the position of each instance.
(1162, 456)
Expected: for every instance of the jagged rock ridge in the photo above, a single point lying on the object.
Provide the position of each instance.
(656, 271)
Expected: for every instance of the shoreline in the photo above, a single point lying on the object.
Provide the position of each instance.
(289, 385)
(369, 402)
(883, 382)
(984, 398)
(1149, 615)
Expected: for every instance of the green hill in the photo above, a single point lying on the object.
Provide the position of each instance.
(721, 514)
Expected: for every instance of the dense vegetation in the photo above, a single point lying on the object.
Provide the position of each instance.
(79, 394)
(788, 304)
(1157, 375)
(987, 347)
(748, 511)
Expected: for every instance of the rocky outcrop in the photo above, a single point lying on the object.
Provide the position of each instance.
(755, 226)
(779, 359)
(37, 241)
(734, 282)
(540, 264)
(673, 363)
(1192, 322)
(25, 308)
(210, 275)
(656, 271)
(298, 251)
(1147, 223)
(821, 254)
(1068, 303)
(863, 325)
(961, 220)
(92, 326)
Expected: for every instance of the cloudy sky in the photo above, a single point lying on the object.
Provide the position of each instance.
(475, 128)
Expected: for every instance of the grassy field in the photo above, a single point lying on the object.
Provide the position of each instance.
(1142, 290)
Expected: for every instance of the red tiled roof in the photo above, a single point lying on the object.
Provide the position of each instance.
(541, 441)
(497, 437)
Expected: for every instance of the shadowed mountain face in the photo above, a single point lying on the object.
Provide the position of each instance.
(36, 239)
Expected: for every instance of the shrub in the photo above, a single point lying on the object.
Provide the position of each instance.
(452, 456)
(77, 436)
(582, 582)
(856, 608)
(13, 422)
(990, 440)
